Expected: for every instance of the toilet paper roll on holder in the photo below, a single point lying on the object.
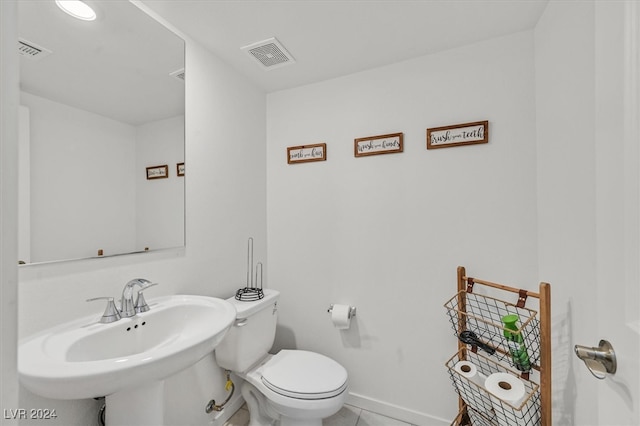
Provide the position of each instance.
(352, 311)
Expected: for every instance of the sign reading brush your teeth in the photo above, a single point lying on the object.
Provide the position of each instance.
(458, 134)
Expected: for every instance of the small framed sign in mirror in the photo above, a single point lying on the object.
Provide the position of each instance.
(158, 172)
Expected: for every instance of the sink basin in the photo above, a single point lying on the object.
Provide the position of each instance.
(88, 359)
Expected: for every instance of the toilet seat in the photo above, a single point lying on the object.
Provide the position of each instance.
(304, 375)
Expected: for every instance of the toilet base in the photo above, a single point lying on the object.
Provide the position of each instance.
(261, 412)
(255, 404)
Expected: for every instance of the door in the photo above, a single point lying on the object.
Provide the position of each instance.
(617, 194)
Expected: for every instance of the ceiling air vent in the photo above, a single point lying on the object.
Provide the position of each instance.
(270, 53)
(179, 74)
(32, 50)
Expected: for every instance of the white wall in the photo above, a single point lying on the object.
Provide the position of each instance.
(93, 158)
(159, 210)
(9, 76)
(24, 186)
(225, 204)
(386, 233)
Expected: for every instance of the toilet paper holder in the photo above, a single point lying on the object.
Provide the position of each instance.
(352, 311)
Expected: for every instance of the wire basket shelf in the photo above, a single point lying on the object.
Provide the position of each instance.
(482, 315)
(483, 407)
(471, 417)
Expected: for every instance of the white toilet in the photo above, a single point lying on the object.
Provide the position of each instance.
(292, 387)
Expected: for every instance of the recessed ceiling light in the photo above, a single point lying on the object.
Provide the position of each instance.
(77, 9)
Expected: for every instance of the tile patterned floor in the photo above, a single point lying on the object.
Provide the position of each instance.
(347, 416)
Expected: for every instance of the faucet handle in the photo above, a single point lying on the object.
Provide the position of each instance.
(141, 304)
(111, 313)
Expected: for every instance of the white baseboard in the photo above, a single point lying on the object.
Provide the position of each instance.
(395, 411)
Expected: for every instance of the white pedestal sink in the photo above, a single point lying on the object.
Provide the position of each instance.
(126, 361)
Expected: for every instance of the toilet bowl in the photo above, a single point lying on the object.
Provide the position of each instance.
(300, 386)
(292, 387)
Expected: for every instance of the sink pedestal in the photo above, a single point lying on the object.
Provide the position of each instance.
(143, 405)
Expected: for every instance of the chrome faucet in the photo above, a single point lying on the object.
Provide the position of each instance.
(127, 306)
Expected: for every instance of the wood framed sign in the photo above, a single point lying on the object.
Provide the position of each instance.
(306, 153)
(158, 172)
(374, 145)
(458, 134)
(180, 169)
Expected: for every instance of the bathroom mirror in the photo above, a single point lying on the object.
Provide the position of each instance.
(102, 110)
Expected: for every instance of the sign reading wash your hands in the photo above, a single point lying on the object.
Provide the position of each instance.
(373, 145)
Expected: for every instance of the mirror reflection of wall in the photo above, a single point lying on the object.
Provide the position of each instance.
(101, 102)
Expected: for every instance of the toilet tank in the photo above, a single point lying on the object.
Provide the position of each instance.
(252, 334)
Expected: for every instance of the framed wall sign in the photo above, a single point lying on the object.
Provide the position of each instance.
(374, 145)
(306, 153)
(158, 172)
(180, 169)
(458, 134)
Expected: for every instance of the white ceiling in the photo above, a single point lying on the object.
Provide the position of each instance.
(119, 65)
(331, 38)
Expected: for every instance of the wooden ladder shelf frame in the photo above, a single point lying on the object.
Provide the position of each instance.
(544, 297)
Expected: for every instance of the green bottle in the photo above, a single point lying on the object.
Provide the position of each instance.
(517, 349)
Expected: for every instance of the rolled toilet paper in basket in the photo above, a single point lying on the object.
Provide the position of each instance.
(506, 387)
(341, 316)
(469, 370)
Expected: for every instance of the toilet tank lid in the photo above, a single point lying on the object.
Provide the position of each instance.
(246, 309)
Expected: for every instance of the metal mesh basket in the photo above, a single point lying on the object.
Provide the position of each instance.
(483, 315)
(479, 419)
(471, 417)
(489, 408)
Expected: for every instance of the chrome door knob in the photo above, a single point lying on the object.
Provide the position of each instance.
(600, 360)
